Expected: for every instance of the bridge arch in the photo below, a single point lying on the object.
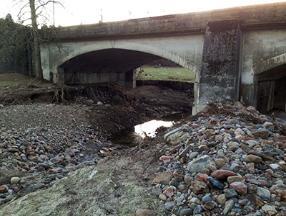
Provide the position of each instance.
(269, 64)
(270, 79)
(129, 46)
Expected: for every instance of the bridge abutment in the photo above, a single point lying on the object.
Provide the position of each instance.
(130, 79)
(219, 77)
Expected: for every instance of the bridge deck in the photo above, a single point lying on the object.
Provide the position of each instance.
(265, 16)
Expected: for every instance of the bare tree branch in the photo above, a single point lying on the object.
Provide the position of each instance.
(40, 5)
(21, 9)
(37, 9)
(48, 2)
(24, 20)
(20, 17)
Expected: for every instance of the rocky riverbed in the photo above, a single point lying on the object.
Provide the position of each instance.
(55, 159)
(40, 143)
(228, 160)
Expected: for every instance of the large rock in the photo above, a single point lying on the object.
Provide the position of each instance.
(228, 206)
(3, 189)
(199, 164)
(240, 187)
(145, 212)
(162, 178)
(261, 133)
(263, 193)
(6, 175)
(269, 210)
(253, 159)
(177, 135)
(199, 187)
(280, 191)
(222, 174)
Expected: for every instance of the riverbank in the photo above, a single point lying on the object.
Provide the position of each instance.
(44, 140)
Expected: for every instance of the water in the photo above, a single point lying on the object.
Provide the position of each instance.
(141, 131)
(148, 129)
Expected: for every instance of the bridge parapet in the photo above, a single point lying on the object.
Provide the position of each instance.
(251, 17)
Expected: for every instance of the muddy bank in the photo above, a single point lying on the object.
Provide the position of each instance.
(117, 110)
(32, 94)
(114, 109)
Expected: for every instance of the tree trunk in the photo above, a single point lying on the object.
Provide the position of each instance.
(37, 67)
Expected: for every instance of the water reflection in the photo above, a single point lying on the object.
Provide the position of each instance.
(149, 128)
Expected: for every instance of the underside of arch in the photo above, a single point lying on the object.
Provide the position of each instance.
(271, 63)
(109, 60)
(271, 88)
(130, 47)
(107, 65)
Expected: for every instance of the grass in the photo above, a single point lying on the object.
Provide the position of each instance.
(165, 73)
(14, 81)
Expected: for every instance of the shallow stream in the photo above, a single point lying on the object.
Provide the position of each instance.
(149, 129)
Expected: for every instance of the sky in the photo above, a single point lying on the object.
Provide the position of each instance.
(75, 12)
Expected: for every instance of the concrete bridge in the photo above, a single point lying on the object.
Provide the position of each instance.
(237, 53)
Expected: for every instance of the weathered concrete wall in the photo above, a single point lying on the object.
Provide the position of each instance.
(183, 50)
(125, 79)
(92, 78)
(219, 77)
(261, 51)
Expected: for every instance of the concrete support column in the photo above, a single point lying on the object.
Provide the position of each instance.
(120, 78)
(219, 77)
(60, 79)
(248, 93)
(130, 79)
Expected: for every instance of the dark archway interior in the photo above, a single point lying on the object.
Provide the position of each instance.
(271, 91)
(93, 73)
(106, 65)
(109, 60)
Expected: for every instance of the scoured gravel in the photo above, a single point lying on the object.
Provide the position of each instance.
(40, 143)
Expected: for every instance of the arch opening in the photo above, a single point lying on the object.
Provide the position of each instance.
(120, 66)
(271, 90)
(149, 101)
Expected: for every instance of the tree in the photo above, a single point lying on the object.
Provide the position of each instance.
(9, 18)
(37, 65)
(35, 10)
